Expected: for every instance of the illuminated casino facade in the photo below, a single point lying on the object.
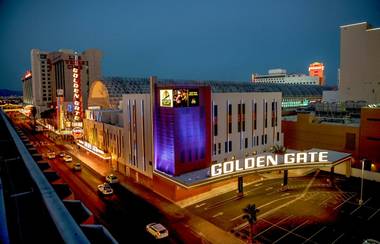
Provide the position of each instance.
(155, 131)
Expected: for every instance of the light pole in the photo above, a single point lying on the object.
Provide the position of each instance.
(361, 187)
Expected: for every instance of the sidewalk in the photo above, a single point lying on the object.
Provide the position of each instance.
(201, 227)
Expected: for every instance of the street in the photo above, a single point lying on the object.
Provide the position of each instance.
(124, 214)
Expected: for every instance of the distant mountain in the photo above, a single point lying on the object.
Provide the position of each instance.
(7, 93)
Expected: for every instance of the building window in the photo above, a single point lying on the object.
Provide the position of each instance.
(182, 156)
(190, 155)
(230, 145)
(229, 118)
(219, 148)
(215, 120)
(246, 142)
(214, 149)
(239, 117)
(266, 137)
(266, 115)
(278, 136)
(254, 115)
(243, 116)
(225, 146)
(262, 139)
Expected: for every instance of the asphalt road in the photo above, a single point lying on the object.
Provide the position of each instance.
(310, 211)
(124, 214)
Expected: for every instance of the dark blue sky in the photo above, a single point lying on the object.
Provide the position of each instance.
(197, 39)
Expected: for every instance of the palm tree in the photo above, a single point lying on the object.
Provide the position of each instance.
(281, 150)
(250, 212)
(278, 149)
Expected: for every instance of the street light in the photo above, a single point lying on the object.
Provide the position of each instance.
(361, 187)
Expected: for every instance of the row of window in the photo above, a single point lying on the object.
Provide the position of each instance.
(217, 149)
(242, 115)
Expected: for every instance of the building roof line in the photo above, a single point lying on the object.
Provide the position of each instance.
(374, 29)
(361, 23)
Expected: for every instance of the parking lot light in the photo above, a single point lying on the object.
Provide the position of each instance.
(361, 186)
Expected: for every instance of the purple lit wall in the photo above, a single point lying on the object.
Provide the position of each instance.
(182, 135)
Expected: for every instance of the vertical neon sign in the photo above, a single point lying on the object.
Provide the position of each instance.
(77, 97)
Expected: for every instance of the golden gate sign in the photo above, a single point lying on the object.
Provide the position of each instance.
(268, 161)
(78, 130)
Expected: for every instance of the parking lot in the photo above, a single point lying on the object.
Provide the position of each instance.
(310, 211)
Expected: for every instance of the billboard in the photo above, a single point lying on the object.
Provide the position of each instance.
(166, 98)
(179, 98)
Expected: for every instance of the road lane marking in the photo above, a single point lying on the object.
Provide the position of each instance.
(299, 196)
(353, 211)
(325, 200)
(370, 217)
(282, 228)
(220, 203)
(269, 188)
(262, 232)
(291, 231)
(316, 233)
(218, 214)
(258, 184)
(262, 206)
(337, 238)
(200, 205)
(285, 194)
(344, 201)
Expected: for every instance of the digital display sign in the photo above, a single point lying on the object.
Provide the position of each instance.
(166, 98)
(179, 98)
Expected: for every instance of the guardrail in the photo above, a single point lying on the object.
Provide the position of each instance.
(66, 225)
(4, 237)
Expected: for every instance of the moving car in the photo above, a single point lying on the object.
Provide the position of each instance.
(112, 179)
(157, 230)
(67, 158)
(51, 155)
(77, 167)
(105, 189)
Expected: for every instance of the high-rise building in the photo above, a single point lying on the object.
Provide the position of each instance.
(280, 76)
(317, 69)
(27, 88)
(53, 75)
(359, 63)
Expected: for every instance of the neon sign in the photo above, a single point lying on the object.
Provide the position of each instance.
(267, 161)
(77, 131)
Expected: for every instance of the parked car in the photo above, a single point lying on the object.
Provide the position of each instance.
(157, 230)
(112, 179)
(62, 154)
(51, 155)
(67, 158)
(105, 189)
(77, 167)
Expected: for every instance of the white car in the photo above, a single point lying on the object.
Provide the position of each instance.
(67, 158)
(51, 155)
(105, 189)
(112, 179)
(157, 230)
(77, 167)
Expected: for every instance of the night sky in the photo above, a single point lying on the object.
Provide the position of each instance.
(197, 39)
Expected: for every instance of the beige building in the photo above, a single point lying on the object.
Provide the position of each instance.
(359, 63)
(52, 71)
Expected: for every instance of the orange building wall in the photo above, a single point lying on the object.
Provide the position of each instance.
(317, 69)
(370, 134)
(305, 134)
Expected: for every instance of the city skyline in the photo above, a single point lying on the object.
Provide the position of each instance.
(182, 41)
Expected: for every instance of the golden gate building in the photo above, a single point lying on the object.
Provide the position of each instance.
(159, 132)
